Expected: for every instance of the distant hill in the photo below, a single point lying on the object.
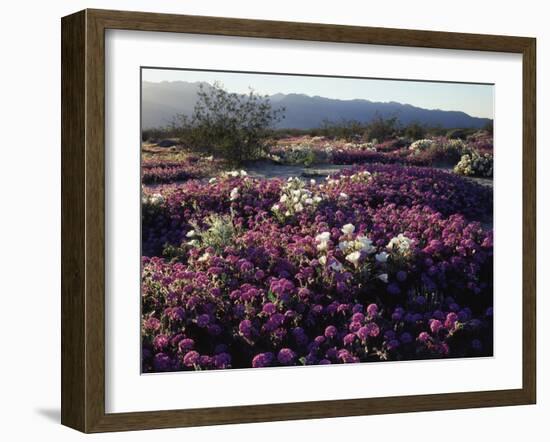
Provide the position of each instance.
(161, 102)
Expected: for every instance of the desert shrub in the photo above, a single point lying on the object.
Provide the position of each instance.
(440, 151)
(461, 133)
(300, 154)
(421, 145)
(453, 151)
(436, 131)
(282, 133)
(233, 126)
(393, 145)
(475, 164)
(488, 127)
(415, 131)
(153, 134)
(382, 129)
(349, 130)
(220, 232)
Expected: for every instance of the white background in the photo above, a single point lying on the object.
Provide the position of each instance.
(128, 391)
(30, 262)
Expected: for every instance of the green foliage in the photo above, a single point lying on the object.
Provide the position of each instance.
(415, 131)
(379, 129)
(349, 130)
(229, 125)
(299, 155)
(488, 127)
(382, 129)
(439, 152)
(175, 253)
(153, 134)
(460, 133)
(436, 131)
(220, 233)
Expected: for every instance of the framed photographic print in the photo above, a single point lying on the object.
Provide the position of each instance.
(267, 221)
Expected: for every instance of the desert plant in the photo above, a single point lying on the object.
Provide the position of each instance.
(461, 133)
(349, 130)
(415, 131)
(230, 125)
(382, 129)
(475, 164)
(220, 232)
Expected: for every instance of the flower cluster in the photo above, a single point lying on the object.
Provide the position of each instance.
(298, 154)
(295, 198)
(421, 145)
(384, 263)
(160, 171)
(475, 164)
(428, 152)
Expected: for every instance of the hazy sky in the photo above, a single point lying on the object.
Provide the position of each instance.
(474, 99)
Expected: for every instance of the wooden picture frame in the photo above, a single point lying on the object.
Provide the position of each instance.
(83, 219)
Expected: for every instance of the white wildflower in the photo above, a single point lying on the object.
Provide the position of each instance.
(348, 229)
(365, 244)
(381, 257)
(204, 257)
(323, 260)
(322, 241)
(383, 277)
(191, 234)
(323, 237)
(234, 194)
(156, 198)
(400, 244)
(353, 258)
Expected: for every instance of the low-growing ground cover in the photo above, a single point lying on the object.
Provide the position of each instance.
(173, 165)
(432, 152)
(377, 262)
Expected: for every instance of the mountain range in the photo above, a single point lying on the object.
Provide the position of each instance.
(161, 102)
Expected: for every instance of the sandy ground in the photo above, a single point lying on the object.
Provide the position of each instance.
(272, 170)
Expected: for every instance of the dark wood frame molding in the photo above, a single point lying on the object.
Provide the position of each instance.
(83, 216)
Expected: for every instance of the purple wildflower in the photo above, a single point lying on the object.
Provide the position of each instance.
(286, 356)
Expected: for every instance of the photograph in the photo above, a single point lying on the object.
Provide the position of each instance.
(298, 220)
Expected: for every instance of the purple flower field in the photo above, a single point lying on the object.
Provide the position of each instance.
(381, 262)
